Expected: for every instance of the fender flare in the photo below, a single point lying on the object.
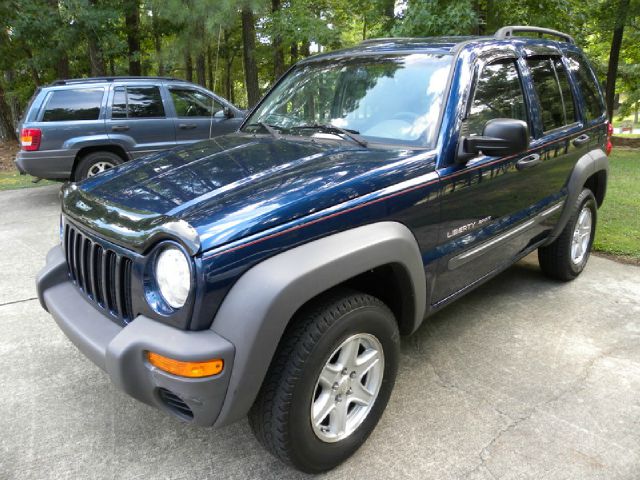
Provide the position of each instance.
(589, 164)
(256, 311)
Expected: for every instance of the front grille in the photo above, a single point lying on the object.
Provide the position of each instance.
(175, 404)
(101, 274)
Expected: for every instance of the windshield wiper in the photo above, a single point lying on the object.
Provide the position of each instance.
(270, 130)
(351, 134)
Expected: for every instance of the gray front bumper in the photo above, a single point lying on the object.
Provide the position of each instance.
(120, 351)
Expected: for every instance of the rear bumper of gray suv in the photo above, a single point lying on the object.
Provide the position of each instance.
(54, 165)
(121, 351)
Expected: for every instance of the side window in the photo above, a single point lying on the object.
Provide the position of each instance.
(554, 93)
(137, 102)
(593, 101)
(498, 94)
(119, 107)
(192, 103)
(80, 104)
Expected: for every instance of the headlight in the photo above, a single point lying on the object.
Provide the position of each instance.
(173, 276)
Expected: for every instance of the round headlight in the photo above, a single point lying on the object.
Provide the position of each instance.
(173, 276)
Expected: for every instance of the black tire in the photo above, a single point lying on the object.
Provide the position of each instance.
(93, 159)
(555, 259)
(281, 416)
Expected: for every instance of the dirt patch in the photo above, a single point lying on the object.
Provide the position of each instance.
(8, 152)
(629, 142)
(626, 259)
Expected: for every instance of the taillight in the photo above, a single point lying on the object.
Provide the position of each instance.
(30, 139)
(609, 146)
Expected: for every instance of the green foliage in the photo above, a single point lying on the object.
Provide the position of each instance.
(41, 40)
(618, 220)
(438, 17)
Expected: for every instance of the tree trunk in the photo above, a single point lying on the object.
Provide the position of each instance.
(96, 58)
(188, 65)
(201, 71)
(132, 24)
(249, 53)
(211, 83)
(157, 41)
(62, 66)
(62, 61)
(614, 56)
(389, 12)
(294, 53)
(278, 52)
(305, 48)
(6, 120)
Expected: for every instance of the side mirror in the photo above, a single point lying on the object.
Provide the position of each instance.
(228, 113)
(500, 137)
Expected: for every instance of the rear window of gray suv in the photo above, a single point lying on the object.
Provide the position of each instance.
(77, 104)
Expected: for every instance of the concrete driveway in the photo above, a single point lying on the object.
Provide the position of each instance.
(524, 378)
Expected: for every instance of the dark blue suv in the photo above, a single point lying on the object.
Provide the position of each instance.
(271, 272)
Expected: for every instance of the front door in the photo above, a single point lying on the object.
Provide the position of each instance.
(198, 115)
(486, 203)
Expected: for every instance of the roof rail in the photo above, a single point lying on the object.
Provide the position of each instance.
(508, 31)
(109, 79)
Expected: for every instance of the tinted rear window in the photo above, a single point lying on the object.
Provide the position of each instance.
(137, 102)
(554, 94)
(593, 101)
(80, 104)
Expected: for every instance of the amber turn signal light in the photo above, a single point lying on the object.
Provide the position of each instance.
(186, 369)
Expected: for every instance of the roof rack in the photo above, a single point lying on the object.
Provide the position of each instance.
(109, 79)
(508, 31)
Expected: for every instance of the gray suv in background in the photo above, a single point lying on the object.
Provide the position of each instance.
(74, 129)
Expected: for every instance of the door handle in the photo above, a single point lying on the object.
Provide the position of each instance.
(528, 161)
(187, 126)
(120, 128)
(581, 140)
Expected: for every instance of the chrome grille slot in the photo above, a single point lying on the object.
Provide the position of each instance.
(102, 274)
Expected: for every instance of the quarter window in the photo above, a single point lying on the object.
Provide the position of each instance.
(192, 103)
(593, 102)
(554, 93)
(498, 94)
(79, 104)
(137, 102)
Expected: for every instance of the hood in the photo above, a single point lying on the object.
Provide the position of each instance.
(237, 185)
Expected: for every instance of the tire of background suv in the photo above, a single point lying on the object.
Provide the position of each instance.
(95, 162)
(318, 341)
(561, 260)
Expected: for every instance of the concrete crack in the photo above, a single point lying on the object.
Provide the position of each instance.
(18, 301)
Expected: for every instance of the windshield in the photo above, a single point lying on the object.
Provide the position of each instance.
(383, 98)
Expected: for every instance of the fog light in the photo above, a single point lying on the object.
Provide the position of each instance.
(186, 369)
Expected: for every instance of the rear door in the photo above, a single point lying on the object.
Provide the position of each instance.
(137, 119)
(198, 115)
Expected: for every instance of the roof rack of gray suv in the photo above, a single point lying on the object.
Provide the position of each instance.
(108, 79)
(508, 31)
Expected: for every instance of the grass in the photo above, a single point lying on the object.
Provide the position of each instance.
(627, 135)
(11, 180)
(619, 218)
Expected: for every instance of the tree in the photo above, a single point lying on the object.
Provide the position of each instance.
(132, 28)
(249, 51)
(614, 55)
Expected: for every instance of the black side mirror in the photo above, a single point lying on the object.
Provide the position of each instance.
(500, 137)
(228, 113)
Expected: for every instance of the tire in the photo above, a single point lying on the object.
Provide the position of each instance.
(94, 163)
(281, 417)
(563, 260)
